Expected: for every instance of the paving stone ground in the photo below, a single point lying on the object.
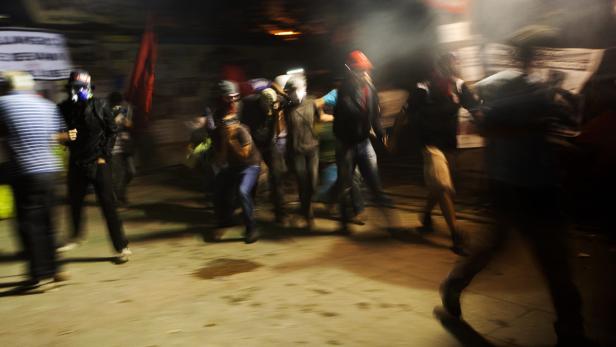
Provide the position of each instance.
(290, 288)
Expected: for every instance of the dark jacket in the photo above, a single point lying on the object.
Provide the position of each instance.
(96, 130)
(255, 117)
(434, 113)
(302, 136)
(356, 113)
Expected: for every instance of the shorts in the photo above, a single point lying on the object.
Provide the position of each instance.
(437, 174)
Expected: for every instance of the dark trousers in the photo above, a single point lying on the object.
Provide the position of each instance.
(535, 214)
(123, 171)
(306, 167)
(361, 155)
(79, 176)
(34, 199)
(274, 159)
(232, 183)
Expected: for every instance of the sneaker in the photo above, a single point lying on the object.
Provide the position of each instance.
(69, 246)
(123, 256)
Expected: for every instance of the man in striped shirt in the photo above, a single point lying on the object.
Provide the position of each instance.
(31, 125)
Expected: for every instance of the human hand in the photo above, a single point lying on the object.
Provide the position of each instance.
(72, 134)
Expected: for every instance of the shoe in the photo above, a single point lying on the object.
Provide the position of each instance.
(36, 286)
(123, 256)
(451, 300)
(61, 276)
(357, 219)
(458, 244)
(68, 246)
(251, 236)
(426, 225)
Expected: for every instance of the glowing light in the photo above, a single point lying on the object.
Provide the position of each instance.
(285, 33)
(295, 71)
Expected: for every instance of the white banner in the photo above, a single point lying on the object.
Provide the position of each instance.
(43, 54)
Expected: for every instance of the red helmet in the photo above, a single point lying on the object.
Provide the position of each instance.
(357, 60)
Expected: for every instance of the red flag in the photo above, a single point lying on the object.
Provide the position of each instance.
(141, 86)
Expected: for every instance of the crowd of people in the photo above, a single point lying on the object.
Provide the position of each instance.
(283, 127)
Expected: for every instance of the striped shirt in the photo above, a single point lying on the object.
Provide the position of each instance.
(31, 123)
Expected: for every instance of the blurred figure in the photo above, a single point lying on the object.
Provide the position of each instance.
(31, 125)
(262, 112)
(239, 159)
(90, 160)
(356, 114)
(122, 162)
(327, 191)
(591, 172)
(199, 150)
(524, 190)
(433, 108)
(303, 143)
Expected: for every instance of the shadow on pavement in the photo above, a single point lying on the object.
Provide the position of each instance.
(462, 331)
(10, 258)
(87, 260)
(170, 213)
(170, 234)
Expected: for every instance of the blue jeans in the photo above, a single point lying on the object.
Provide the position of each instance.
(362, 156)
(306, 167)
(328, 190)
(232, 181)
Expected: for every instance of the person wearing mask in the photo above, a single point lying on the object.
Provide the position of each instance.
(301, 115)
(433, 109)
(123, 164)
(356, 115)
(238, 158)
(517, 115)
(32, 124)
(90, 160)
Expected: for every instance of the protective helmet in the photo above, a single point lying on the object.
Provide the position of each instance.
(80, 85)
(357, 60)
(80, 78)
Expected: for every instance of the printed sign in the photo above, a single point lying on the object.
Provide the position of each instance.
(43, 54)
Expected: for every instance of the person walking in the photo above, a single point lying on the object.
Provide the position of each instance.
(122, 161)
(238, 158)
(32, 125)
(301, 115)
(433, 108)
(356, 115)
(262, 112)
(523, 175)
(90, 160)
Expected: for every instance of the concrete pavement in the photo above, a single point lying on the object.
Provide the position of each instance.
(291, 288)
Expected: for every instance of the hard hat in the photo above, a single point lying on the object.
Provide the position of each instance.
(357, 60)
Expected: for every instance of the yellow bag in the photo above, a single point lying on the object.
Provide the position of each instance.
(7, 204)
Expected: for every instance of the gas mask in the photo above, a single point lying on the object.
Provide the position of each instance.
(80, 93)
